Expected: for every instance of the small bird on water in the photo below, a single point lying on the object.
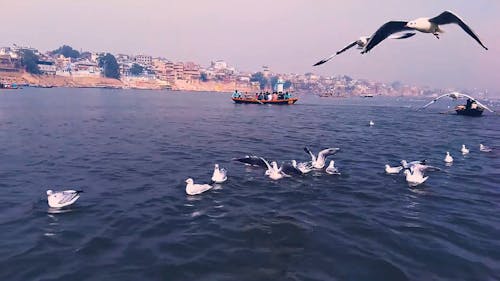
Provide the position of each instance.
(393, 170)
(372, 123)
(195, 189)
(448, 158)
(219, 175)
(484, 148)
(59, 199)
(414, 178)
(464, 150)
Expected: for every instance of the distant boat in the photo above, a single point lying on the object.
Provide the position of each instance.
(12, 86)
(244, 100)
(368, 96)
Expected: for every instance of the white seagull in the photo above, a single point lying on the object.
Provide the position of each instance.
(448, 158)
(304, 167)
(319, 162)
(361, 43)
(414, 178)
(194, 189)
(371, 123)
(393, 170)
(331, 169)
(272, 170)
(219, 175)
(425, 25)
(464, 150)
(484, 148)
(59, 199)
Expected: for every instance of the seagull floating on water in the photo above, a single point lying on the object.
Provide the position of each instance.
(219, 175)
(424, 25)
(194, 189)
(273, 171)
(59, 199)
(361, 43)
(331, 169)
(304, 167)
(448, 158)
(319, 162)
(484, 148)
(371, 123)
(393, 170)
(464, 150)
(414, 178)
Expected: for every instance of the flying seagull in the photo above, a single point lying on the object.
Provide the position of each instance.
(425, 25)
(361, 43)
(456, 95)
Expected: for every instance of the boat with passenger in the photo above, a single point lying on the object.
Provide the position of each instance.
(264, 98)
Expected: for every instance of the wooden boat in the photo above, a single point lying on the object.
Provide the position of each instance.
(256, 101)
(472, 111)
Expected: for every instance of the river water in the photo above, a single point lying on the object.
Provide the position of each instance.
(131, 151)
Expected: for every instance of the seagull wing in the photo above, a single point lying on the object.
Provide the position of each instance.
(67, 196)
(402, 35)
(475, 101)
(448, 17)
(266, 163)
(433, 101)
(327, 152)
(251, 160)
(337, 53)
(383, 32)
(289, 169)
(307, 150)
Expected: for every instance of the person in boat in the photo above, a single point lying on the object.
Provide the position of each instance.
(469, 104)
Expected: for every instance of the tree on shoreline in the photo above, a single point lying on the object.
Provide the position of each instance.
(66, 51)
(30, 62)
(136, 69)
(109, 65)
(259, 77)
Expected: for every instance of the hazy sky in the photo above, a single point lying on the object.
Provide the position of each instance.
(287, 35)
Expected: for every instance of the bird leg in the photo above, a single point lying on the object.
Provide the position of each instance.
(436, 34)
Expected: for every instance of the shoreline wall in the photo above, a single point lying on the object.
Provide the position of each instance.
(23, 78)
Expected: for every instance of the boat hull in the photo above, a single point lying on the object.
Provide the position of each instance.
(476, 112)
(256, 101)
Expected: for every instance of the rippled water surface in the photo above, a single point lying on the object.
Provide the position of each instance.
(130, 151)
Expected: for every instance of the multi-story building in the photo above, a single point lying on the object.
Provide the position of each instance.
(191, 71)
(144, 60)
